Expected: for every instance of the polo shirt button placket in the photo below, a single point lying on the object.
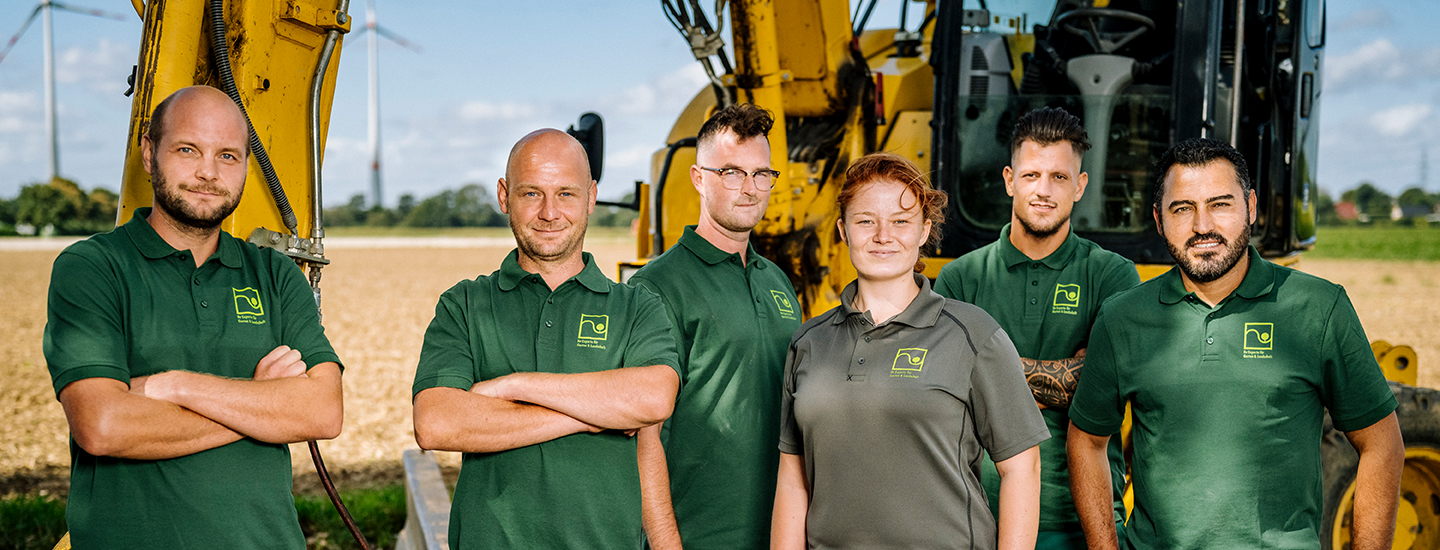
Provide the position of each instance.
(548, 324)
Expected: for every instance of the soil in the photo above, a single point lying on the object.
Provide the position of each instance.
(380, 295)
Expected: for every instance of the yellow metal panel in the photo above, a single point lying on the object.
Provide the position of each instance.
(813, 42)
(274, 47)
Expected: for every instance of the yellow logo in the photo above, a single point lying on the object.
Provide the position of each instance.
(908, 362)
(1067, 295)
(594, 327)
(248, 308)
(1259, 336)
(782, 302)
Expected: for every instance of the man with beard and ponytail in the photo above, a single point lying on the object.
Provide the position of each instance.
(1229, 363)
(542, 371)
(1044, 284)
(187, 359)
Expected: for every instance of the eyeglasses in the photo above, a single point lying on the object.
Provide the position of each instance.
(734, 178)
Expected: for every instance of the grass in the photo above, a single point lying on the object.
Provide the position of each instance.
(37, 522)
(31, 522)
(1377, 243)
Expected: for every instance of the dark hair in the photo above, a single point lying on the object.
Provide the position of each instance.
(157, 120)
(745, 119)
(1199, 152)
(890, 166)
(1047, 126)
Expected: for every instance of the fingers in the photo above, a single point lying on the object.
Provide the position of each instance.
(282, 362)
(137, 384)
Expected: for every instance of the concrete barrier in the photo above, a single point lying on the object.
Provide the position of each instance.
(427, 505)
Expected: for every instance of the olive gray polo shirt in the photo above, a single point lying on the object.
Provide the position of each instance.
(1228, 403)
(891, 420)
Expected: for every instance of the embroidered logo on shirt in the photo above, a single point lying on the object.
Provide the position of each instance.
(783, 303)
(248, 308)
(1067, 299)
(1259, 340)
(908, 362)
(593, 330)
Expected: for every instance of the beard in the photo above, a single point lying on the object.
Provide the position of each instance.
(1211, 265)
(170, 199)
(726, 216)
(549, 251)
(1039, 229)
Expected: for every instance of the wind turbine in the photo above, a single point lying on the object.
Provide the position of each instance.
(376, 31)
(43, 11)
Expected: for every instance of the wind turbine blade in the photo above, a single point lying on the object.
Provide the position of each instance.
(11, 44)
(88, 11)
(352, 38)
(382, 31)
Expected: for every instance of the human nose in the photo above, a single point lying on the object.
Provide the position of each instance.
(208, 169)
(549, 208)
(1204, 221)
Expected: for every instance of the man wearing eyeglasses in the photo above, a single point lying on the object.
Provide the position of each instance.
(707, 474)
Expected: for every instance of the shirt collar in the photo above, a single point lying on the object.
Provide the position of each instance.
(1258, 281)
(1056, 260)
(709, 253)
(153, 246)
(590, 276)
(922, 312)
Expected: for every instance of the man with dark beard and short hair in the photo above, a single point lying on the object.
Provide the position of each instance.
(187, 359)
(542, 371)
(1230, 363)
(1044, 284)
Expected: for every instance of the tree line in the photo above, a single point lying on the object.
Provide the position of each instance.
(61, 207)
(1368, 204)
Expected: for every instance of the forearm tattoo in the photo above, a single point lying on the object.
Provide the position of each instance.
(1053, 382)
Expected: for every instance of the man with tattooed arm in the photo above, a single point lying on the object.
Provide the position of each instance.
(1044, 285)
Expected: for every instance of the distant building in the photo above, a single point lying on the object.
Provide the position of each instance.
(1400, 212)
(1347, 211)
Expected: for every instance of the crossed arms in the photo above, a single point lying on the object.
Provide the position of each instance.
(179, 413)
(526, 408)
(1054, 382)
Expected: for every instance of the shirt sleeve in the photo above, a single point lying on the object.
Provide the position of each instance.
(84, 329)
(651, 341)
(301, 314)
(446, 357)
(1119, 278)
(1355, 390)
(791, 440)
(1098, 406)
(682, 346)
(948, 283)
(1006, 416)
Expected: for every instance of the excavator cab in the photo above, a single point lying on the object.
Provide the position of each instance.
(1142, 75)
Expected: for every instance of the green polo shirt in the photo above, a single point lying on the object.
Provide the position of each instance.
(125, 304)
(892, 419)
(1228, 403)
(1047, 307)
(732, 324)
(578, 491)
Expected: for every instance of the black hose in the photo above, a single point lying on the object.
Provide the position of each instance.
(221, 50)
(335, 496)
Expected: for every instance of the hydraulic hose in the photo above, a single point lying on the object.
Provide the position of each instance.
(221, 50)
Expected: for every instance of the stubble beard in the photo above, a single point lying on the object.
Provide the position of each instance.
(729, 219)
(1214, 265)
(1036, 230)
(169, 199)
(536, 251)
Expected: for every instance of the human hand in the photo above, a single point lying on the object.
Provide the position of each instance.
(281, 362)
(1080, 354)
(494, 387)
(137, 385)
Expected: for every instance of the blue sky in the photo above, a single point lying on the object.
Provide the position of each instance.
(492, 71)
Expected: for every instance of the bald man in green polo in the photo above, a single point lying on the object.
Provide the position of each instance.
(542, 371)
(1044, 285)
(709, 473)
(187, 359)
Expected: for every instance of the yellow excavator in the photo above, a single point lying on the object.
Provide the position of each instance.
(945, 86)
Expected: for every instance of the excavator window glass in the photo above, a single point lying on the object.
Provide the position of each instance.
(1104, 62)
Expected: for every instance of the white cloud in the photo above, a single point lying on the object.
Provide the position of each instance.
(477, 111)
(1400, 120)
(1365, 19)
(101, 66)
(1379, 62)
(667, 94)
(19, 112)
